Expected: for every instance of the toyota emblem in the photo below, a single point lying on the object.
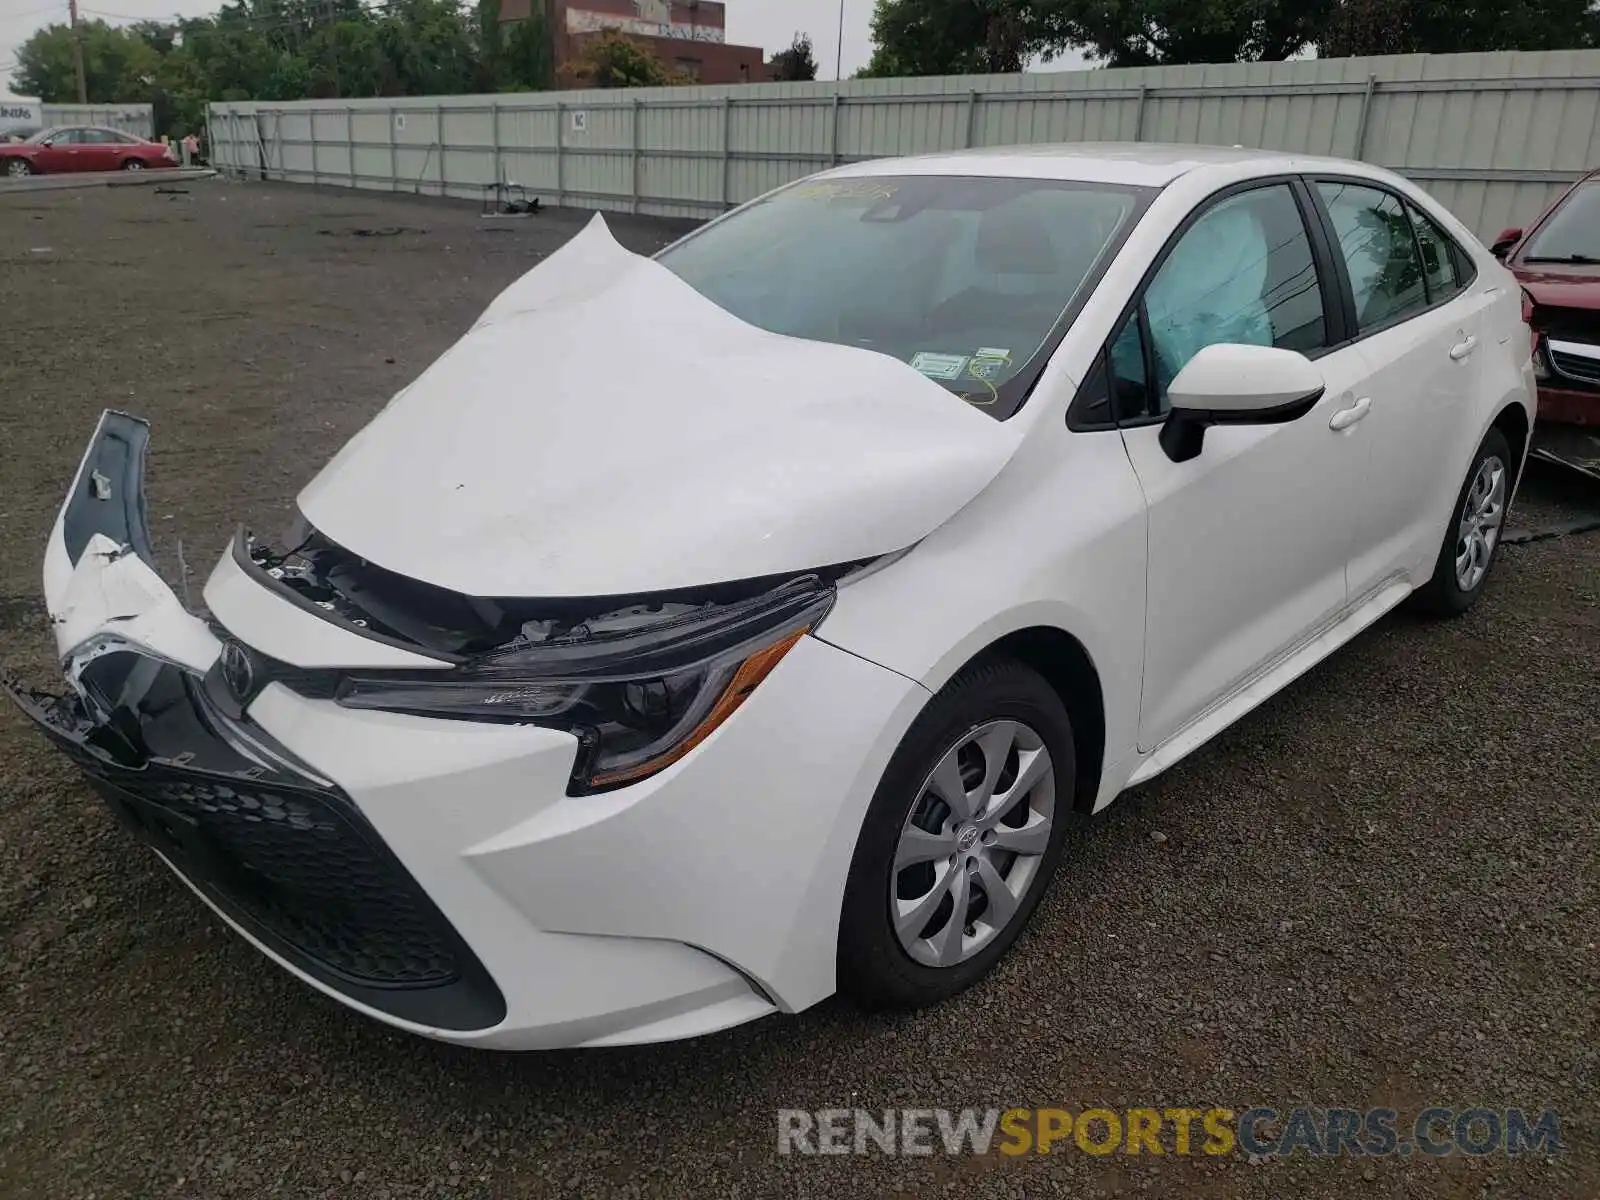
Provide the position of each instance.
(238, 671)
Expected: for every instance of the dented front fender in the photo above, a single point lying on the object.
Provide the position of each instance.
(100, 583)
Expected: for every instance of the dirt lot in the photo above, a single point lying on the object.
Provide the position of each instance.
(1379, 890)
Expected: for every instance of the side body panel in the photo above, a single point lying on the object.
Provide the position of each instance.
(1248, 546)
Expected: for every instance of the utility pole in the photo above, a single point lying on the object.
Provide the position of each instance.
(77, 54)
(839, 63)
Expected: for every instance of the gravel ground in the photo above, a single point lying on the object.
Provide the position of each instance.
(1378, 890)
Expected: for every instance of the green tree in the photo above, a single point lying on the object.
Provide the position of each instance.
(295, 49)
(1437, 27)
(491, 47)
(1150, 32)
(117, 65)
(237, 60)
(952, 37)
(797, 63)
(530, 63)
(610, 60)
(345, 59)
(179, 94)
(934, 37)
(430, 46)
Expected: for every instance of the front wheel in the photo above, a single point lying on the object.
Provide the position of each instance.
(1462, 568)
(18, 168)
(133, 164)
(960, 841)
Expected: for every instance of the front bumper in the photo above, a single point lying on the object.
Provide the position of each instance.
(1560, 405)
(285, 858)
(435, 874)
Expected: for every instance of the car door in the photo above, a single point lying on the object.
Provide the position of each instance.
(1249, 540)
(61, 153)
(1421, 328)
(100, 150)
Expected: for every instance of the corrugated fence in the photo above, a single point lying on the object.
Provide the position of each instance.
(1493, 136)
(137, 119)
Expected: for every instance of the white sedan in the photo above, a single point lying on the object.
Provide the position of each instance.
(705, 634)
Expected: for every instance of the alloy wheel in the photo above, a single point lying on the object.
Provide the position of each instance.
(17, 168)
(1482, 514)
(973, 843)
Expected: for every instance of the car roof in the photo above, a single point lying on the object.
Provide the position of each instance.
(1143, 164)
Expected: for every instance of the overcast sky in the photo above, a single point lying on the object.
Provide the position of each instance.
(767, 23)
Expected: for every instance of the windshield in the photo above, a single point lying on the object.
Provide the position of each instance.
(36, 138)
(1572, 234)
(966, 279)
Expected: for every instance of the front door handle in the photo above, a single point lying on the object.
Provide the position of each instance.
(1464, 349)
(1347, 417)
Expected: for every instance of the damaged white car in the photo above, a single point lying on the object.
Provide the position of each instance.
(704, 634)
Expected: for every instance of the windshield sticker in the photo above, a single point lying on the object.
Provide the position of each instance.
(989, 364)
(940, 366)
(848, 189)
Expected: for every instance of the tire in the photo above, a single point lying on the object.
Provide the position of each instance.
(1476, 524)
(18, 168)
(133, 164)
(990, 702)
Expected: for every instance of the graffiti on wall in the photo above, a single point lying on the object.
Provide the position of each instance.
(654, 19)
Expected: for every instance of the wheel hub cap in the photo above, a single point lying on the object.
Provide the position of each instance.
(1482, 514)
(970, 850)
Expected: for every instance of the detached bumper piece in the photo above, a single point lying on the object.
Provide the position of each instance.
(288, 858)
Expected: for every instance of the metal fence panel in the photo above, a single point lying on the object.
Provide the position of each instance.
(1494, 136)
(137, 119)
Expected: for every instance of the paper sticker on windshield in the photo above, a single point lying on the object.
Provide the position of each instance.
(847, 189)
(989, 364)
(940, 366)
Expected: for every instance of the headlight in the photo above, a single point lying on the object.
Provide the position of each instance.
(638, 699)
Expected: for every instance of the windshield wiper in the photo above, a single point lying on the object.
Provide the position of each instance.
(1575, 259)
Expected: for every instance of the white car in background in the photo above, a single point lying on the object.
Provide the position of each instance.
(706, 633)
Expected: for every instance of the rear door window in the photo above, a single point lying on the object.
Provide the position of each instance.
(1439, 263)
(1380, 253)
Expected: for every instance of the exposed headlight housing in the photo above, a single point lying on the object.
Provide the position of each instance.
(639, 695)
(1530, 318)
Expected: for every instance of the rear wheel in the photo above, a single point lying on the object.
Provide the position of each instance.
(1462, 570)
(18, 168)
(133, 164)
(960, 841)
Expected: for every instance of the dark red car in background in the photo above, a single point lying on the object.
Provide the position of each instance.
(1557, 261)
(82, 148)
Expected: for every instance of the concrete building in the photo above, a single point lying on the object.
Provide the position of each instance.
(686, 35)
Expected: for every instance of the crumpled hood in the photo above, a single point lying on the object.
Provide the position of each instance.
(606, 430)
(1559, 285)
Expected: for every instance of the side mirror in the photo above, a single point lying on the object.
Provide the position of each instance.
(1505, 243)
(1230, 384)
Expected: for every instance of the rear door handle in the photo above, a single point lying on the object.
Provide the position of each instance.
(1347, 417)
(1464, 349)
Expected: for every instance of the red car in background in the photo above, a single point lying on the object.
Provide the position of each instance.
(1557, 261)
(82, 148)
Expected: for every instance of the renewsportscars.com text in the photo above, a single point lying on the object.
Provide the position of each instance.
(1257, 1132)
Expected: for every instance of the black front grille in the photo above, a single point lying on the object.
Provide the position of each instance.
(1575, 366)
(300, 868)
(292, 861)
(1567, 324)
